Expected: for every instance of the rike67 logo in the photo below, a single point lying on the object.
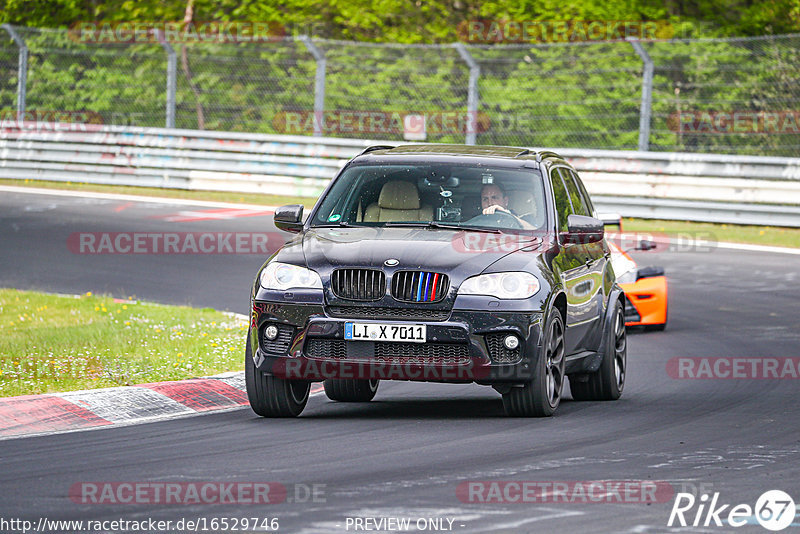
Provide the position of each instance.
(774, 510)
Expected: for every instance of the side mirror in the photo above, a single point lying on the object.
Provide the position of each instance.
(611, 219)
(289, 218)
(582, 229)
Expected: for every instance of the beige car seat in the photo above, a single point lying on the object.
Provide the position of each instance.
(522, 203)
(398, 201)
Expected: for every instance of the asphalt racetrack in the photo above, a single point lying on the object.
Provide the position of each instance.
(405, 454)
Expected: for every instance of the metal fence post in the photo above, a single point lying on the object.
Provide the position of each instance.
(647, 95)
(472, 92)
(319, 83)
(22, 77)
(172, 65)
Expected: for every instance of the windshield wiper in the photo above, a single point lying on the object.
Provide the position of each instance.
(340, 224)
(444, 226)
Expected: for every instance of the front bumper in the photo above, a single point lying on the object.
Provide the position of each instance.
(466, 346)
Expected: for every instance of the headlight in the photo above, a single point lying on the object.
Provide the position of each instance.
(514, 285)
(282, 276)
(628, 277)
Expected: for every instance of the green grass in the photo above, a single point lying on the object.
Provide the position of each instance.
(758, 235)
(732, 233)
(51, 343)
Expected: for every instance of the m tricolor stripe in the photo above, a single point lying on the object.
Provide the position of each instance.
(419, 286)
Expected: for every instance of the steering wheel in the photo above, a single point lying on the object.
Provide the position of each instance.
(498, 219)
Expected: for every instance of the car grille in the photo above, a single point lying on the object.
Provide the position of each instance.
(419, 286)
(407, 314)
(358, 284)
(279, 345)
(498, 351)
(388, 352)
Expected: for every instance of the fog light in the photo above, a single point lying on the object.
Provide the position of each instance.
(511, 342)
(271, 332)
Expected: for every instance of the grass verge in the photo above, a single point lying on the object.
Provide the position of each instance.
(757, 235)
(52, 343)
(732, 233)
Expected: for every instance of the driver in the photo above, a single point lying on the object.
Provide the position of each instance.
(494, 198)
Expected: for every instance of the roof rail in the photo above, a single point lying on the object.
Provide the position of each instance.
(538, 153)
(546, 154)
(375, 147)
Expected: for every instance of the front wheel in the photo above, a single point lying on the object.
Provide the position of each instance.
(351, 390)
(541, 396)
(271, 396)
(607, 382)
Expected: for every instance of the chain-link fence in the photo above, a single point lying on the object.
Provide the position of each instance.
(713, 95)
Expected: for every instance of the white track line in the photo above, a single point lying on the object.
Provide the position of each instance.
(132, 198)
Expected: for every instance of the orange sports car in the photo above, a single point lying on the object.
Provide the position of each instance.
(646, 296)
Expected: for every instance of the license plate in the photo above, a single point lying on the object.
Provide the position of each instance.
(408, 333)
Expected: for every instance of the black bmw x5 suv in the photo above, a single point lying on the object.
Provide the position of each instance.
(440, 263)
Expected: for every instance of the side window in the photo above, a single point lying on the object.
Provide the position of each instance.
(578, 203)
(586, 199)
(563, 207)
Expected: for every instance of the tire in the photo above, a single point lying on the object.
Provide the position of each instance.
(607, 382)
(351, 390)
(270, 396)
(541, 396)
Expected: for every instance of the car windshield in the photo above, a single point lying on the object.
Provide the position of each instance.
(463, 196)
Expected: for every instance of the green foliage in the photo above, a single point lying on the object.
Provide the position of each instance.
(413, 21)
(556, 95)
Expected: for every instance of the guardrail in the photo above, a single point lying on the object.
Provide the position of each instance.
(664, 185)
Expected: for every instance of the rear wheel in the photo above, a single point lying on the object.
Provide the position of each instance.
(351, 390)
(270, 396)
(541, 396)
(607, 382)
